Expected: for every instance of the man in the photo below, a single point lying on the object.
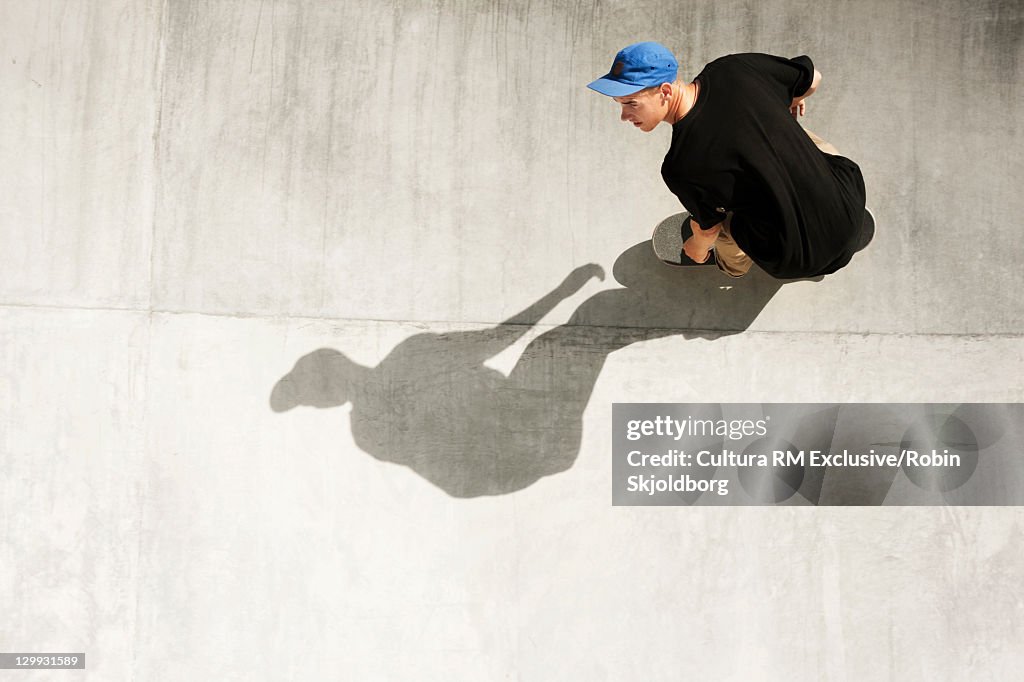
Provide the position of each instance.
(758, 187)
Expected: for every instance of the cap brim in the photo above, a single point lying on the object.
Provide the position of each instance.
(607, 86)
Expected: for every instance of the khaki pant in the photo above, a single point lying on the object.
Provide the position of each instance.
(729, 256)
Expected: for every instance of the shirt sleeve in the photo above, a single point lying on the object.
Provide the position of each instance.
(692, 200)
(704, 216)
(794, 75)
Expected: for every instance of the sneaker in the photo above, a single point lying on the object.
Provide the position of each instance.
(867, 230)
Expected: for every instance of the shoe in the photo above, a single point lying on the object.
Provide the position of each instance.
(867, 230)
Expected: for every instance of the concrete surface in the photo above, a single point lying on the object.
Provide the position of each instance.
(398, 202)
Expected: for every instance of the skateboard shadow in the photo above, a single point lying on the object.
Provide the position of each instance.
(433, 406)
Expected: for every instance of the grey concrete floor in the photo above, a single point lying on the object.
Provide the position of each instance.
(399, 201)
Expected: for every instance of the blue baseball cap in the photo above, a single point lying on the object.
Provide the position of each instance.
(638, 66)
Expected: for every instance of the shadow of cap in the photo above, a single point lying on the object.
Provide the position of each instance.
(284, 396)
(317, 379)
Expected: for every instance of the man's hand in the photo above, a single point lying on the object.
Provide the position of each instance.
(699, 244)
(798, 106)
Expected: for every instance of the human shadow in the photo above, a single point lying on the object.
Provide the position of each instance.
(433, 406)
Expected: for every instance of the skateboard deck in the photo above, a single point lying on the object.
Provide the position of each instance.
(672, 232)
(668, 239)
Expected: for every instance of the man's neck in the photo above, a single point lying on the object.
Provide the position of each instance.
(683, 99)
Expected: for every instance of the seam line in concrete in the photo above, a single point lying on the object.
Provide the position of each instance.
(479, 323)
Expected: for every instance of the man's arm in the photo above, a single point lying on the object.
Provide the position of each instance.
(699, 244)
(798, 106)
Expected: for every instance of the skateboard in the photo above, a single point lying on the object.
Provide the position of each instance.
(672, 232)
(668, 239)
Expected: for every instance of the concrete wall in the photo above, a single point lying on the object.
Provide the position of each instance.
(202, 194)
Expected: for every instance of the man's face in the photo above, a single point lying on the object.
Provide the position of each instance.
(643, 110)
